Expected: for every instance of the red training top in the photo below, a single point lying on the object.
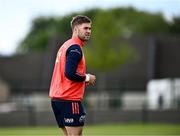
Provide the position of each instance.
(61, 87)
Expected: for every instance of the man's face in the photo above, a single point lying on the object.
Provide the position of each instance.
(84, 31)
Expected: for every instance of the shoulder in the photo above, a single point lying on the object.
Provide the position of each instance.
(75, 48)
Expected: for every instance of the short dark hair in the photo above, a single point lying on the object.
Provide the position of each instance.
(79, 19)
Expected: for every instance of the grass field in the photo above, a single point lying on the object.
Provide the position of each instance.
(99, 130)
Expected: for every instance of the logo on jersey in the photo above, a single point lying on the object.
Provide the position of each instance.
(69, 120)
(75, 50)
(82, 118)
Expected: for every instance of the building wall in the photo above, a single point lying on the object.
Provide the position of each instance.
(44, 118)
(156, 57)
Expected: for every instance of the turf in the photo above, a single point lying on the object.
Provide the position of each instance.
(99, 130)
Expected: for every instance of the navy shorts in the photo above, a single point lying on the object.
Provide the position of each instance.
(68, 113)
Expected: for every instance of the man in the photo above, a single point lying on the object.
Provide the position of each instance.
(69, 79)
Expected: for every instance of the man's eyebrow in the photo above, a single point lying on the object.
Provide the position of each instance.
(87, 27)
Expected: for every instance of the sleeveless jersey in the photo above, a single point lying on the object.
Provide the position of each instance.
(61, 87)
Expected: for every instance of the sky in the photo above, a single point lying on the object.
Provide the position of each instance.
(16, 15)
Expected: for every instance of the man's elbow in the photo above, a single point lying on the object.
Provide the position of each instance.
(73, 77)
(69, 76)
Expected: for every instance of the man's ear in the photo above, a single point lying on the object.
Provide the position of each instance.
(75, 29)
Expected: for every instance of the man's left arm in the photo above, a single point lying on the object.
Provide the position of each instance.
(73, 57)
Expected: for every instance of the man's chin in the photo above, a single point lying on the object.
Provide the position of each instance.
(86, 39)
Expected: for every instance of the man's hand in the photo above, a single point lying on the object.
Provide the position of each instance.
(91, 79)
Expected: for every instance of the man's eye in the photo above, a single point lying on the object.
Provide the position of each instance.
(87, 28)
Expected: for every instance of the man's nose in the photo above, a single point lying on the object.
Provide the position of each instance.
(89, 30)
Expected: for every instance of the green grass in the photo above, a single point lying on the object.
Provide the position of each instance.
(98, 130)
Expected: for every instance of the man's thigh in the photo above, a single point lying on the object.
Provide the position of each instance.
(74, 131)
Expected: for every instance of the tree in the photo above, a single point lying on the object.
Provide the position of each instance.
(105, 50)
(128, 19)
(175, 26)
(103, 53)
(43, 29)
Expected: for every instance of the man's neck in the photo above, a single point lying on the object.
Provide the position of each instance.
(78, 39)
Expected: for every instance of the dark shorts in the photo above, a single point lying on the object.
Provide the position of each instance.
(68, 113)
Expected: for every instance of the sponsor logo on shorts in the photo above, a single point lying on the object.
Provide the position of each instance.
(82, 118)
(69, 120)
